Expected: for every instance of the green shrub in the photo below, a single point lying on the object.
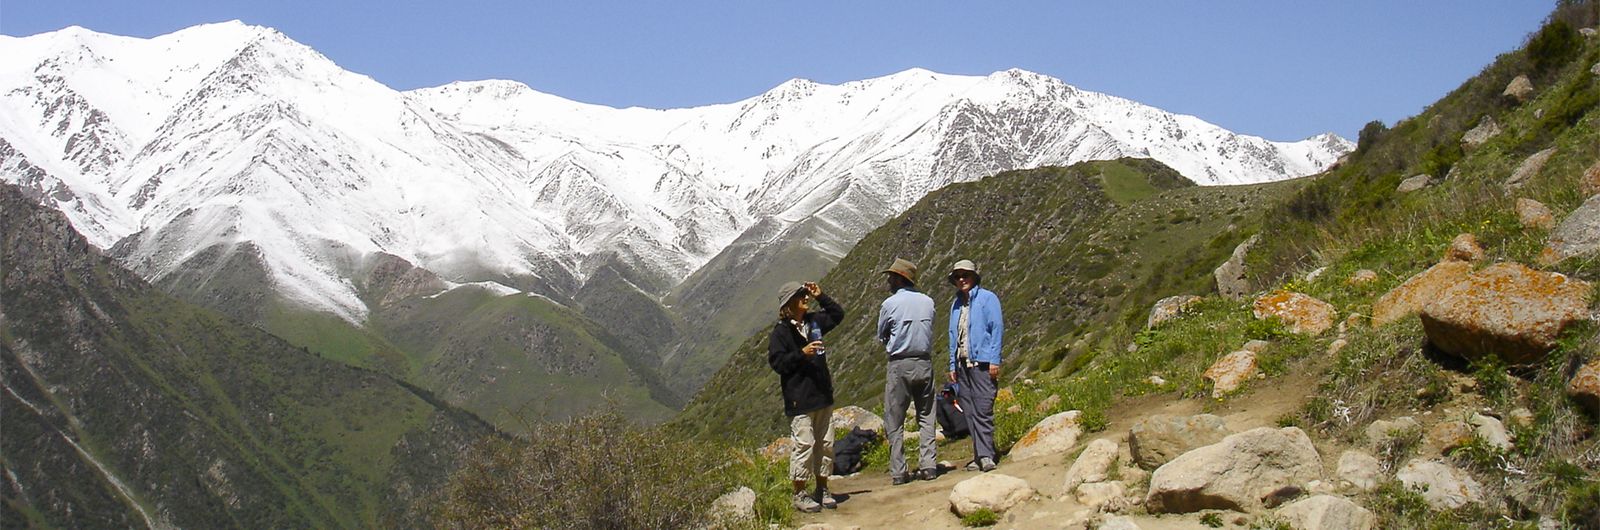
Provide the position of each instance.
(982, 517)
(1212, 519)
(1556, 44)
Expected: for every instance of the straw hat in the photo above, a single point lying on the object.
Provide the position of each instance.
(905, 269)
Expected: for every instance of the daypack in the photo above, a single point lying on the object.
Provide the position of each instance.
(847, 452)
(949, 414)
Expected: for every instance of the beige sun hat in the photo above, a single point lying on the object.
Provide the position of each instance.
(789, 291)
(905, 269)
(965, 265)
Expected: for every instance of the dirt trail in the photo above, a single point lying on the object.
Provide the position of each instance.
(873, 503)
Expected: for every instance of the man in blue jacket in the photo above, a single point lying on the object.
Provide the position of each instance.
(975, 333)
(905, 327)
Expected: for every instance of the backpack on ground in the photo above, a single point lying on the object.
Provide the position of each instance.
(949, 414)
(847, 452)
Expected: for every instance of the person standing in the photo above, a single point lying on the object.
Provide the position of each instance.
(795, 352)
(905, 327)
(975, 332)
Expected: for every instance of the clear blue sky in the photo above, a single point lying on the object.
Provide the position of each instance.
(1280, 69)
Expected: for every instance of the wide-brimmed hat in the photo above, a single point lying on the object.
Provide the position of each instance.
(789, 291)
(965, 265)
(905, 269)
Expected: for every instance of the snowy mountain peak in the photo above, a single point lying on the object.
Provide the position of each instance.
(229, 139)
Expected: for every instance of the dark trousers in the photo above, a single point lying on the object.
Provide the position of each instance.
(977, 400)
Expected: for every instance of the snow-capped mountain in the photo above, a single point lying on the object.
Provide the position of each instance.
(234, 138)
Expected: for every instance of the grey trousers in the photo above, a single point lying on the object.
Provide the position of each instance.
(977, 401)
(909, 380)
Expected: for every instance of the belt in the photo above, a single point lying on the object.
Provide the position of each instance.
(903, 356)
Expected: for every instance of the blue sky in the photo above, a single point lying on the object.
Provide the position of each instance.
(1281, 69)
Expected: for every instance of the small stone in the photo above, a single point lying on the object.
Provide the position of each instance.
(1362, 277)
(1486, 129)
(1530, 166)
(1442, 486)
(1052, 435)
(1491, 431)
(1519, 89)
(1585, 387)
(1589, 183)
(1156, 380)
(992, 490)
(1231, 371)
(1362, 471)
(1380, 432)
(1092, 465)
(1047, 404)
(1337, 346)
(1464, 247)
(1099, 493)
(1520, 417)
(1328, 512)
(1447, 436)
(1534, 214)
(1414, 183)
(1256, 346)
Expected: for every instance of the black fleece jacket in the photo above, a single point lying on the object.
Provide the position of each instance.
(807, 384)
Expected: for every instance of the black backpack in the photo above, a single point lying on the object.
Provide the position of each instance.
(847, 452)
(949, 414)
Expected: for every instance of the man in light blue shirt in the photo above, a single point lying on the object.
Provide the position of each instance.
(905, 327)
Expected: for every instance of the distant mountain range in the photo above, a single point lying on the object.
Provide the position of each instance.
(236, 167)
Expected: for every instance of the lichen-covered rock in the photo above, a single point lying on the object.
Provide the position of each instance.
(994, 491)
(1170, 308)
(1426, 286)
(1577, 235)
(1442, 486)
(1447, 436)
(1507, 310)
(1052, 435)
(1230, 372)
(1327, 512)
(1530, 166)
(1534, 214)
(1305, 315)
(1248, 471)
(1519, 89)
(1585, 387)
(1231, 282)
(1464, 247)
(1156, 440)
(1092, 464)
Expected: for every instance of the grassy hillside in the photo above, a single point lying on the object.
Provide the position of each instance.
(126, 407)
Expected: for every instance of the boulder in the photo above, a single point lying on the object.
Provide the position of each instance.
(1589, 183)
(1447, 436)
(1362, 277)
(1170, 308)
(1519, 89)
(1486, 129)
(1230, 372)
(1491, 431)
(1327, 512)
(1534, 214)
(1508, 310)
(1055, 434)
(1248, 471)
(1442, 486)
(1231, 282)
(1156, 440)
(1380, 432)
(1577, 235)
(736, 505)
(1584, 387)
(1414, 183)
(1417, 291)
(1361, 471)
(1464, 247)
(1304, 314)
(994, 491)
(853, 417)
(1092, 464)
(779, 449)
(1097, 494)
(1530, 166)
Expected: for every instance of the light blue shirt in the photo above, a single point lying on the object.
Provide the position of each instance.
(905, 324)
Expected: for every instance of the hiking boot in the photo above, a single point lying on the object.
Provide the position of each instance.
(826, 499)
(804, 503)
(928, 474)
(972, 466)
(987, 464)
(900, 480)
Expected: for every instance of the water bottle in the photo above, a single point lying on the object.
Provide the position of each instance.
(816, 335)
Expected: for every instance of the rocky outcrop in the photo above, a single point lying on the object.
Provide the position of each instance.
(1519, 89)
(994, 491)
(1486, 129)
(1414, 183)
(1092, 464)
(1052, 435)
(1584, 387)
(1230, 372)
(1327, 512)
(1170, 308)
(1248, 471)
(1304, 314)
(1507, 310)
(1156, 440)
(1530, 166)
(1442, 486)
(1231, 281)
(1577, 235)
(1534, 214)
(1417, 291)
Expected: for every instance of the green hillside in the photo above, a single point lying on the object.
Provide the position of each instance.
(126, 407)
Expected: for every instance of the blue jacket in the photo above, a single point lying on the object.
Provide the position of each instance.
(985, 328)
(905, 324)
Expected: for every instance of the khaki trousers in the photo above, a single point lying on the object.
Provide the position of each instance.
(813, 445)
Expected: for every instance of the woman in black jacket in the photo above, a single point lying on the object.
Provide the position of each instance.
(795, 352)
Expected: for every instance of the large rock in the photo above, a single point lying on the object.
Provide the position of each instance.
(1534, 214)
(1092, 464)
(736, 505)
(1248, 471)
(1444, 487)
(1464, 247)
(1098, 494)
(1508, 310)
(1414, 183)
(1585, 387)
(1230, 372)
(1417, 291)
(1530, 167)
(1380, 432)
(1447, 436)
(1486, 129)
(994, 491)
(1360, 470)
(1304, 314)
(1231, 282)
(1577, 235)
(853, 417)
(1327, 512)
(1156, 440)
(1170, 308)
(1519, 89)
(1055, 434)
